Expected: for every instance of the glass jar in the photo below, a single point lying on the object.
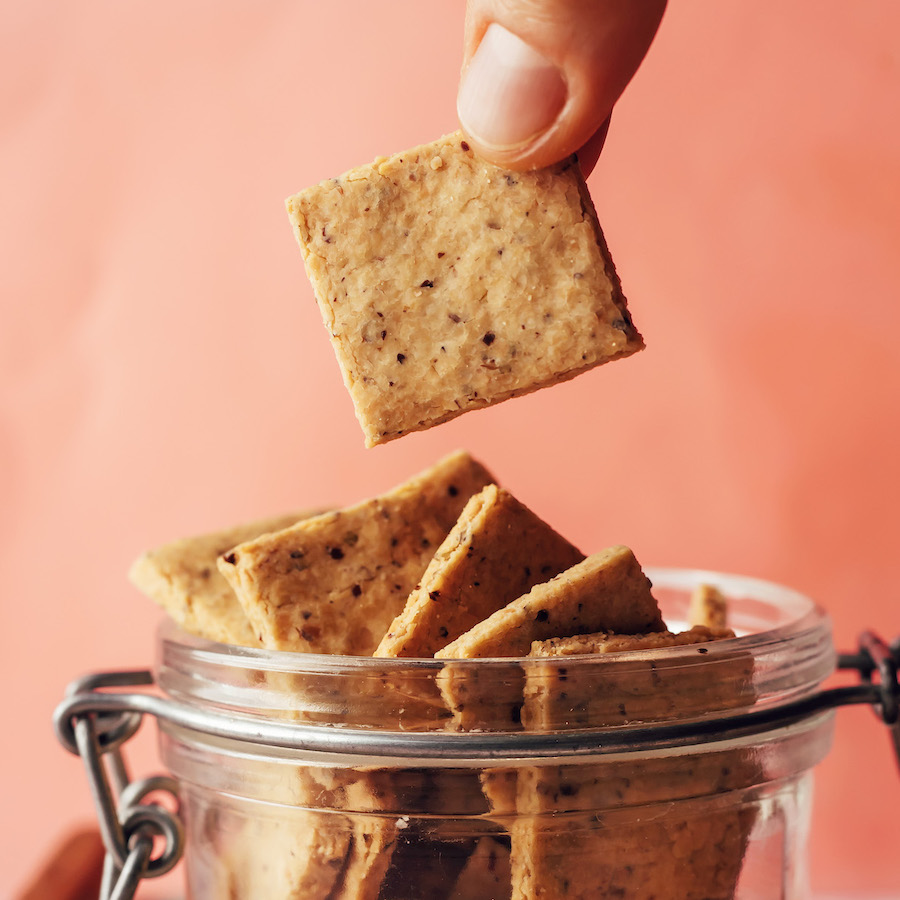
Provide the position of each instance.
(631, 775)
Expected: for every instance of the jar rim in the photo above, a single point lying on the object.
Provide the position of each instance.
(797, 614)
(782, 653)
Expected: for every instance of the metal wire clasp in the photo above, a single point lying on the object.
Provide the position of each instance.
(875, 655)
(128, 823)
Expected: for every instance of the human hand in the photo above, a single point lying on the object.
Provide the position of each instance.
(540, 77)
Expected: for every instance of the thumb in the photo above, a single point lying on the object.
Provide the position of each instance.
(540, 77)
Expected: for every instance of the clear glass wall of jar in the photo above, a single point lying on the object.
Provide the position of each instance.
(558, 783)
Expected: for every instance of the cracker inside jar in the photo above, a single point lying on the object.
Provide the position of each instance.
(448, 284)
(450, 566)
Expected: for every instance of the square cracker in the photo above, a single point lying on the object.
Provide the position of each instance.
(448, 284)
(667, 851)
(334, 583)
(182, 578)
(649, 688)
(497, 551)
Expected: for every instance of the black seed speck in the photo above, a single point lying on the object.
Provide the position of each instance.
(401, 358)
(542, 615)
(454, 317)
(356, 590)
(427, 283)
(489, 338)
(336, 553)
(231, 558)
(296, 554)
(442, 631)
(434, 595)
(703, 649)
(453, 490)
(464, 145)
(440, 254)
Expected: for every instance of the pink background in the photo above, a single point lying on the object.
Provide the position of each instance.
(163, 368)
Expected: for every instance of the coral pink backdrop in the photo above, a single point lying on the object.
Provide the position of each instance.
(163, 369)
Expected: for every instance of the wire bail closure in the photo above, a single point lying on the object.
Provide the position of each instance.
(95, 720)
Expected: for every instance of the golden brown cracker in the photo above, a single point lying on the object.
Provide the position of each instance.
(649, 687)
(497, 551)
(666, 828)
(182, 578)
(285, 856)
(448, 284)
(685, 849)
(607, 591)
(708, 607)
(486, 873)
(334, 583)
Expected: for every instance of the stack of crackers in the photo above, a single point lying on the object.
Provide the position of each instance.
(451, 566)
(447, 284)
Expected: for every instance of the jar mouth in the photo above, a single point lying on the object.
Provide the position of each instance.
(782, 652)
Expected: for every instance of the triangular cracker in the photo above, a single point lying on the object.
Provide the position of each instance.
(333, 584)
(497, 551)
(448, 284)
(607, 591)
(182, 578)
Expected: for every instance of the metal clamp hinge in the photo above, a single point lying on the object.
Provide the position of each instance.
(130, 824)
(876, 657)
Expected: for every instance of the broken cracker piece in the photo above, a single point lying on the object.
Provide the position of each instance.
(497, 551)
(708, 607)
(448, 284)
(334, 583)
(182, 578)
(606, 592)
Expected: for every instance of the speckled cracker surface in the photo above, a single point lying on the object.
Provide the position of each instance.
(650, 688)
(497, 551)
(448, 284)
(608, 591)
(304, 855)
(612, 829)
(334, 583)
(182, 578)
(641, 844)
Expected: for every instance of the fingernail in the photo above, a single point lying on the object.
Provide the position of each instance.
(510, 93)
